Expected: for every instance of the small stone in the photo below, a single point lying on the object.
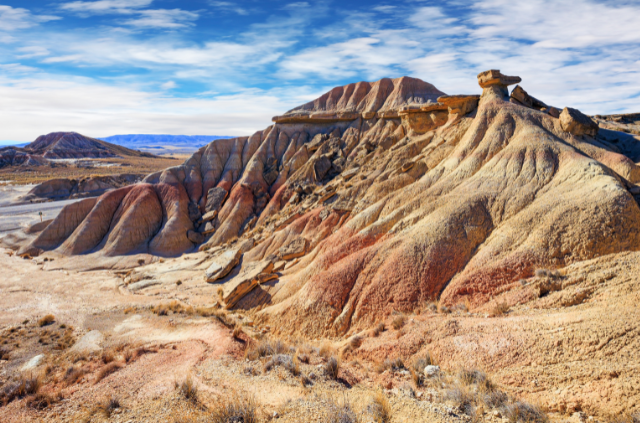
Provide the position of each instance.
(195, 237)
(432, 371)
(33, 363)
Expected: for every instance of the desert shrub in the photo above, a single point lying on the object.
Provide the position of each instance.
(521, 412)
(494, 399)
(107, 370)
(4, 354)
(462, 399)
(392, 365)
(283, 360)
(398, 322)
(108, 357)
(444, 309)
(42, 401)
(355, 342)
(235, 408)
(377, 330)
(379, 408)
(326, 350)
(302, 356)
(544, 273)
(46, 320)
(340, 412)
(499, 309)
(73, 375)
(173, 306)
(188, 389)
(332, 368)
(417, 368)
(20, 388)
(305, 381)
(265, 348)
(475, 377)
(107, 407)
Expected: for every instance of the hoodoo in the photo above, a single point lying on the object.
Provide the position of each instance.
(376, 197)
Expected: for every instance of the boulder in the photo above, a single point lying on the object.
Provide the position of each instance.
(520, 96)
(222, 264)
(577, 123)
(90, 342)
(322, 166)
(296, 248)
(33, 363)
(250, 276)
(215, 199)
(210, 215)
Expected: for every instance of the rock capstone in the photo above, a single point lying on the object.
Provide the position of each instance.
(577, 123)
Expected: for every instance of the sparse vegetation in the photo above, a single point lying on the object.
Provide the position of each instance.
(234, 408)
(46, 320)
(107, 407)
(41, 401)
(20, 388)
(375, 332)
(175, 307)
(283, 360)
(332, 368)
(499, 309)
(379, 408)
(398, 322)
(521, 412)
(417, 368)
(340, 412)
(237, 332)
(107, 370)
(73, 375)
(188, 389)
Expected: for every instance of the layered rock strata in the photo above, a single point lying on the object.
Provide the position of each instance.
(377, 213)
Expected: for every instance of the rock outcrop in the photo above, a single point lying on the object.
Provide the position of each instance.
(577, 123)
(381, 211)
(63, 188)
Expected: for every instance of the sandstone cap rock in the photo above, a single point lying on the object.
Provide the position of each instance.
(461, 103)
(495, 77)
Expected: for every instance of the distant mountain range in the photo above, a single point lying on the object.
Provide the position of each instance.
(163, 143)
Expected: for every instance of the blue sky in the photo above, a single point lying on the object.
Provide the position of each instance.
(226, 67)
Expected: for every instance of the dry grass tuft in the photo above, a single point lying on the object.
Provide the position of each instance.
(46, 320)
(234, 408)
(326, 350)
(107, 407)
(73, 375)
(42, 401)
(379, 408)
(398, 322)
(375, 332)
(188, 389)
(107, 370)
(237, 332)
(340, 412)
(521, 412)
(283, 360)
(20, 388)
(417, 368)
(265, 348)
(332, 368)
(173, 306)
(476, 377)
(499, 309)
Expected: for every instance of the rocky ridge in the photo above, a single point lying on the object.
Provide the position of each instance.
(63, 145)
(377, 197)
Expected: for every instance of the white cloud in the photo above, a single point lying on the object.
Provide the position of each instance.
(229, 6)
(46, 104)
(105, 6)
(163, 18)
(18, 18)
(169, 85)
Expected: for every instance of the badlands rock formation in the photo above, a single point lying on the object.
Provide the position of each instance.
(63, 145)
(377, 197)
(63, 188)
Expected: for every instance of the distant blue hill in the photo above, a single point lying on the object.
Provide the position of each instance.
(163, 143)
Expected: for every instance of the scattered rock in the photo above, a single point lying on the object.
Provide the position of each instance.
(222, 264)
(296, 248)
(90, 342)
(432, 371)
(577, 123)
(33, 363)
(215, 199)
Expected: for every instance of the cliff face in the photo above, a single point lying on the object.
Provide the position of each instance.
(378, 197)
(63, 145)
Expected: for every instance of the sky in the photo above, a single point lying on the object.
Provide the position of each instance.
(205, 67)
